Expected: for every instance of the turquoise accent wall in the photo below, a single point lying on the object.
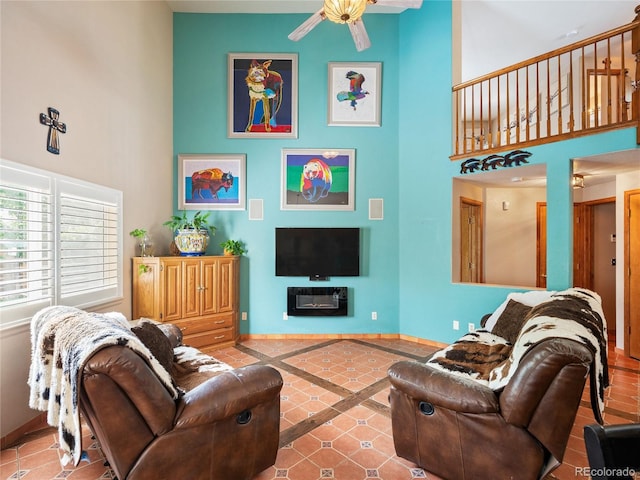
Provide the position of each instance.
(201, 44)
(406, 265)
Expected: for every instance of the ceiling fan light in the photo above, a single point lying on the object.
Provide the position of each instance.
(344, 11)
(308, 25)
(359, 34)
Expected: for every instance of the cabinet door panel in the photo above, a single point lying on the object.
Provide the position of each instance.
(146, 287)
(227, 285)
(192, 288)
(210, 287)
(172, 289)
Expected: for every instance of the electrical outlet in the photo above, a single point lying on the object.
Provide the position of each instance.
(456, 325)
(244, 316)
(285, 316)
(472, 327)
(374, 315)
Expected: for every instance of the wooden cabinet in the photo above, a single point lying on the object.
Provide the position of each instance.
(199, 294)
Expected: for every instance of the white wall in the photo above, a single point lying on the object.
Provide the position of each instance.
(107, 67)
(510, 235)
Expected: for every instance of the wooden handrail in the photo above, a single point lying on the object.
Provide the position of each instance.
(554, 53)
(579, 89)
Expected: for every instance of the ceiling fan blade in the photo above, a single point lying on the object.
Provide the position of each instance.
(308, 25)
(397, 3)
(359, 34)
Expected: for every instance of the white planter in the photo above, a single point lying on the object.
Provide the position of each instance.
(192, 242)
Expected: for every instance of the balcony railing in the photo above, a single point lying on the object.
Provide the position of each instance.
(581, 89)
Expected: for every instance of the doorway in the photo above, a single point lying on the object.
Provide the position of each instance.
(632, 273)
(471, 235)
(594, 227)
(603, 274)
(594, 252)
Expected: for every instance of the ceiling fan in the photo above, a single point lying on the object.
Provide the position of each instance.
(349, 12)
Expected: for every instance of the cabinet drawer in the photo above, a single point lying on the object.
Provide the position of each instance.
(205, 324)
(204, 339)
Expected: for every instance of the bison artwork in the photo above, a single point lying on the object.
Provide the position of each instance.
(212, 179)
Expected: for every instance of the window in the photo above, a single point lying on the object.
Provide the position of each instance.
(60, 242)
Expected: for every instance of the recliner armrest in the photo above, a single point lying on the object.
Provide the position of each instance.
(428, 384)
(228, 394)
(537, 377)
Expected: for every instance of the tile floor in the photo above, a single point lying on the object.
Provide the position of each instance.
(334, 415)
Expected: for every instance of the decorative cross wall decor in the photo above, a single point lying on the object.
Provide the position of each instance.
(51, 121)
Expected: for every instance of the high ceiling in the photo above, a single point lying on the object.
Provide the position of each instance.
(495, 33)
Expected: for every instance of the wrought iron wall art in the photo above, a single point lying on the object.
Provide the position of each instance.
(511, 159)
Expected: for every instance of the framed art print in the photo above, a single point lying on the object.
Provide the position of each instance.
(318, 179)
(354, 94)
(262, 95)
(211, 181)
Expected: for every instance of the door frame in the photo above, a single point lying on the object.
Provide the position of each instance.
(480, 236)
(541, 245)
(627, 270)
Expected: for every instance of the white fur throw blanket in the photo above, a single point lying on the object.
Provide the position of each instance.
(574, 314)
(62, 340)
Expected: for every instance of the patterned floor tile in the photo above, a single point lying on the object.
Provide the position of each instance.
(335, 420)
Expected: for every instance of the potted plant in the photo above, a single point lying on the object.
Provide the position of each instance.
(233, 247)
(191, 235)
(144, 241)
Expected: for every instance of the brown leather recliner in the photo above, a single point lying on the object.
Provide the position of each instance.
(226, 428)
(457, 428)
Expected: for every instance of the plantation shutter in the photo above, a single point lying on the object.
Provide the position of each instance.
(26, 241)
(60, 242)
(89, 238)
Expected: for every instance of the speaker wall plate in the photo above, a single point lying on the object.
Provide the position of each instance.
(256, 210)
(376, 209)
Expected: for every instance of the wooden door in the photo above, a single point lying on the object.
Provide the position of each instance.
(632, 273)
(209, 292)
(603, 254)
(541, 245)
(582, 246)
(471, 235)
(171, 287)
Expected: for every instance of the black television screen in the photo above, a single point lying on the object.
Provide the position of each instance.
(317, 253)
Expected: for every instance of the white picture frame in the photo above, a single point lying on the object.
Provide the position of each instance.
(354, 94)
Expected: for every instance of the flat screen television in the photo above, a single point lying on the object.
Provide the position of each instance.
(317, 253)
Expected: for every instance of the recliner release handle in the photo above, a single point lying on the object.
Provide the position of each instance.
(426, 408)
(244, 417)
